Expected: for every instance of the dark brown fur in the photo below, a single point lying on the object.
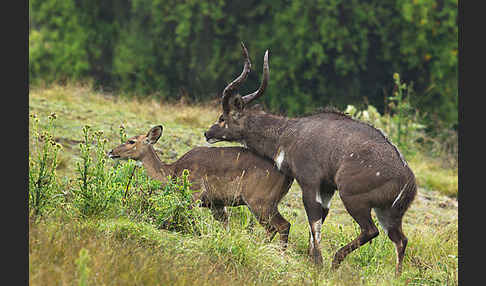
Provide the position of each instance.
(325, 152)
(226, 176)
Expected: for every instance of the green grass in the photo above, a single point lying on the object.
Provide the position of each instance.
(432, 174)
(116, 250)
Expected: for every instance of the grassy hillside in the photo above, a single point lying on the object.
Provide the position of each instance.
(115, 249)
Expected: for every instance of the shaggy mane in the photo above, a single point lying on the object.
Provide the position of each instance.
(328, 110)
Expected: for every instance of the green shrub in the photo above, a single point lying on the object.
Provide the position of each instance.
(403, 117)
(173, 208)
(166, 205)
(82, 263)
(400, 123)
(43, 161)
(97, 187)
(137, 191)
(57, 41)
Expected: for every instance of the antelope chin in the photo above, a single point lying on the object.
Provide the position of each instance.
(213, 140)
(112, 156)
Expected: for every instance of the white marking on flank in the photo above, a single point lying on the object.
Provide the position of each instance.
(280, 159)
(399, 195)
(377, 173)
(351, 155)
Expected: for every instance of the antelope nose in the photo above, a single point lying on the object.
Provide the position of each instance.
(205, 135)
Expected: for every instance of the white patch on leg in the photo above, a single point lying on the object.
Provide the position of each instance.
(324, 201)
(244, 143)
(318, 198)
(279, 159)
(316, 226)
(396, 251)
(311, 239)
(327, 202)
(317, 230)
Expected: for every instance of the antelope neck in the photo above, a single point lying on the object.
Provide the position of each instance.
(266, 134)
(155, 168)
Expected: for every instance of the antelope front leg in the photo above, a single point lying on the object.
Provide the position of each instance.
(279, 224)
(273, 222)
(283, 228)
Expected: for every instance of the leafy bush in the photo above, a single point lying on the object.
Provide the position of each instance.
(400, 123)
(403, 117)
(137, 192)
(169, 206)
(83, 268)
(96, 186)
(43, 161)
(57, 41)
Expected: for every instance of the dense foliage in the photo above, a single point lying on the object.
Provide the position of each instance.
(321, 52)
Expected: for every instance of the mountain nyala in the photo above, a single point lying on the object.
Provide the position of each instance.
(325, 152)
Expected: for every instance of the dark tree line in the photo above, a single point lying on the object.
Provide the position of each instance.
(321, 52)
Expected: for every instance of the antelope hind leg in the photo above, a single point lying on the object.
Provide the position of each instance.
(362, 215)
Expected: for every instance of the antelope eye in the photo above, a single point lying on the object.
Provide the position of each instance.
(131, 142)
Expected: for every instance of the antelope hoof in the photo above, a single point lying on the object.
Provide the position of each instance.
(336, 261)
(398, 272)
(335, 265)
(316, 258)
(283, 246)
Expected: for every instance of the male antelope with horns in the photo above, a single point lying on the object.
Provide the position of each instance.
(325, 152)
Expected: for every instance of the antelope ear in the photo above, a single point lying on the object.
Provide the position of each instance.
(154, 134)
